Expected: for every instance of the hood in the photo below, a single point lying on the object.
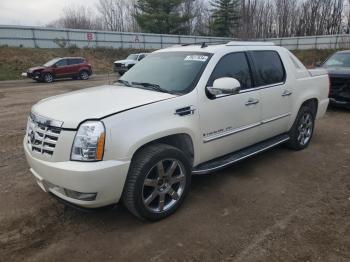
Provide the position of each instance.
(95, 103)
(36, 68)
(338, 71)
(126, 61)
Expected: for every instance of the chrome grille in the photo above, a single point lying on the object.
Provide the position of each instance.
(43, 134)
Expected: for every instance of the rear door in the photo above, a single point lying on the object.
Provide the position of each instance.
(275, 92)
(73, 66)
(61, 68)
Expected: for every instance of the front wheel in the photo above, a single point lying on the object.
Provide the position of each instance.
(158, 182)
(302, 129)
(48, 78)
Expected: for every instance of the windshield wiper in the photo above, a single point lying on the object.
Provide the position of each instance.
(124, 82)
(151, 86)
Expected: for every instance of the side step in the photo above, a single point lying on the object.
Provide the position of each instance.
(229, 159)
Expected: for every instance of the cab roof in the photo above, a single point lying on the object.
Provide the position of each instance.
(208, 48)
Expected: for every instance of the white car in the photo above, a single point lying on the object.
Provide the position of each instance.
(121, 66)
(182, 110)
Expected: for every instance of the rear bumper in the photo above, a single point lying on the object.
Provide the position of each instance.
(105, 178)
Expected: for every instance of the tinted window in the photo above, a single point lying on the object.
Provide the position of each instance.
(75, 61)
(269, 67)
(62, 62)
(141, 56)
(233, 65)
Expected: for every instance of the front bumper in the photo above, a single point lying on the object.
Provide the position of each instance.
(106, 178)
(337, 102)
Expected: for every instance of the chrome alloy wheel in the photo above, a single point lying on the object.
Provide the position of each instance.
(84, 75)
(305, 128)
(48, 78)
(164, 185)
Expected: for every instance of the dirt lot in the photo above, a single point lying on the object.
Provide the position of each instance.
(278, 206)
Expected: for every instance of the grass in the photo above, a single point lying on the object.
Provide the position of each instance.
(15, 60)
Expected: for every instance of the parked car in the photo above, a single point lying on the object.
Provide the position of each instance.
(63, 67)
(181, 111)
(121, 66)
(338, 67)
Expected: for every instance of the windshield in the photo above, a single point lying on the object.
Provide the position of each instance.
(51, 62)
(132, 57)
(338, 60)
(173, 72)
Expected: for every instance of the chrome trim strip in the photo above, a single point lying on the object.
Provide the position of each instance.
(260, 87)
(243, 128)
(44, 120)
(275, 118)
(234, 131)
(239, 159)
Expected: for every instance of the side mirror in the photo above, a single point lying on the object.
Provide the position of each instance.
(54, 66)
(224, 86)
(318, 64)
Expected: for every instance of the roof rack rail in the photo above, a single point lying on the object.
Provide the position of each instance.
(204, 44)
(249, 43)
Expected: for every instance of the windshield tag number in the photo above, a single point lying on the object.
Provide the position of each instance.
(201, 58)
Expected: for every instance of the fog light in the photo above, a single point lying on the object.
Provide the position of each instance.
(79, 195)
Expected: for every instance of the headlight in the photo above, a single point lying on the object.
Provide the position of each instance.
(89, 142)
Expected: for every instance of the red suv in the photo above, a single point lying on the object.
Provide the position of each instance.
(65, 67)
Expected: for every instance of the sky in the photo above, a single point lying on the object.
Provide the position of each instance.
(35, 12)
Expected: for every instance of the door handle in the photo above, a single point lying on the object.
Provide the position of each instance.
(287, 93)
(251, 101)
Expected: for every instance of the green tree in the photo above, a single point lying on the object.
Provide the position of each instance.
(225, 17)
(161, 16)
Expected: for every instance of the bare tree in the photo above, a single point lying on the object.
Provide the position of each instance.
(77, 17)
(118, 15)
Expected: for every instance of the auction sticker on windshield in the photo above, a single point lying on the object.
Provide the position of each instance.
(201, 58)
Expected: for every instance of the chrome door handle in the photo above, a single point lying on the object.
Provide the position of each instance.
(251, 101)
(287, 93)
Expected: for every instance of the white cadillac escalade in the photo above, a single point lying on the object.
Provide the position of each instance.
(182, 110)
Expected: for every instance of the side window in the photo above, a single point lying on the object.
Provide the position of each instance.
(62, 62)
(233, 65)
(75, 61)
(141, 57)
(72, 61)
(269, 67)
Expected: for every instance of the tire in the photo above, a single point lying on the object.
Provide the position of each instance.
(84, 75)
(158, 181)
(302, 129)
(48, 78)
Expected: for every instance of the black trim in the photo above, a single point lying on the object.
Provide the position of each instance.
(83, 209)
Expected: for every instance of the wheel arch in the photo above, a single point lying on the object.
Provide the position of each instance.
(311, 101)
(182, 141)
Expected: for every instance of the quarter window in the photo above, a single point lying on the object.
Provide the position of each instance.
(269, 67)
(233, 65)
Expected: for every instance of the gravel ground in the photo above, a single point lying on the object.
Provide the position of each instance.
(278, 206)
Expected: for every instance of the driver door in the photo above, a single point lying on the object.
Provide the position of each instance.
(231, 122)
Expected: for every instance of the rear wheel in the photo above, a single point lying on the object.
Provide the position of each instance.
(302, 129)
(84, 75)
(48, 78)
(158, 182)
